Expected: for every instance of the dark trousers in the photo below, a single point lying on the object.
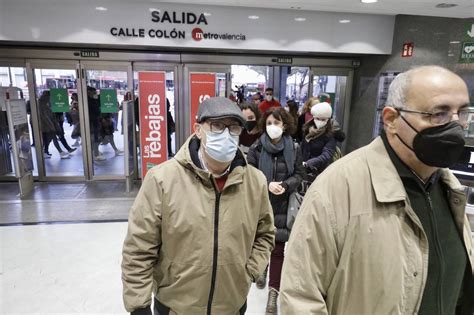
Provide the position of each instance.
(47, 138)
(276, 263)
(160, 309)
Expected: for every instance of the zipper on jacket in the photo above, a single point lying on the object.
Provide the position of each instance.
(275, 168)
(214, 254)
(438, 250)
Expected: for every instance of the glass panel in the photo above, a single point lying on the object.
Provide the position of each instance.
(297, 84)
(331, 89)
(57, 127)
(106, 91)
(221, 84)
(246, 81)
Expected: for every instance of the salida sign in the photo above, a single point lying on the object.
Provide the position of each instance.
(153, 127)
(170, 18)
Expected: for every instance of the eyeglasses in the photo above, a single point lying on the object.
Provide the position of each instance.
(442, 117)
(219, 127)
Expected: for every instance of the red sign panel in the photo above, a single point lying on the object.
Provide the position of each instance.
(408, 49)
(203, 86)
(153, 129)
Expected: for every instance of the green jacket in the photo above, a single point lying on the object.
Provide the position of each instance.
(357, 246)
(192, 246)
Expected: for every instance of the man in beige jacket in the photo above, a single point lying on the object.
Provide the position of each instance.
(384, 230)
(201, 228)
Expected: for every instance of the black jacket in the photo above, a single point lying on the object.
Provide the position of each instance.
(318, 152)
(290, 182)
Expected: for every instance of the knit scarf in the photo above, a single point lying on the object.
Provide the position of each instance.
(314, 132)
(269, 150)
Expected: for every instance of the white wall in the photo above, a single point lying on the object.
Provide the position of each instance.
(70, 21)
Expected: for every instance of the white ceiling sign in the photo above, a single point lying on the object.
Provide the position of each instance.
(190, 26)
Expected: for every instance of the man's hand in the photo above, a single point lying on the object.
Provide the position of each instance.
(276, 188)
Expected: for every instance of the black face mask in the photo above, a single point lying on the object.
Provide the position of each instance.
(439, 146)
(250, 124)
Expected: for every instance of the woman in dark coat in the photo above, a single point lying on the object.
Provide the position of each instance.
(318, 144)
(276, 155)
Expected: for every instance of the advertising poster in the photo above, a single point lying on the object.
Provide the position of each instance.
(153, 129)
(203, 86)
(20, 135)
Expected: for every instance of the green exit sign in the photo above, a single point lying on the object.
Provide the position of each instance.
(90, 53)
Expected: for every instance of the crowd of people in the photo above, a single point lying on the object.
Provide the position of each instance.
(382, 230)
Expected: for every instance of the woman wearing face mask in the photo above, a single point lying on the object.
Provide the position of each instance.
(318, 144)
(280, 160)
(251, 130)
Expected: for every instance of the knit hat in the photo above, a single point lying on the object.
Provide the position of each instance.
(219, 107)
(322, 110)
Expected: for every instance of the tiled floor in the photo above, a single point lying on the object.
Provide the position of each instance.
(69, 269)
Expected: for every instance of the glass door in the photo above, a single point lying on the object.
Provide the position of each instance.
(200, 82)
(335, 87)
(105, 86)
(55, 113)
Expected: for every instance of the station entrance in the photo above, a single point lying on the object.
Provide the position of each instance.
(76, 113)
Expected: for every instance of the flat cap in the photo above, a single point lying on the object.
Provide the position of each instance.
(219, 107)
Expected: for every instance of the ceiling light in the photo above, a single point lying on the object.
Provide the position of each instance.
(455, 42)
(344, 21)
(254, 17)
(101, 9)
(207, 14)
(446, 5)
(153, 9)
(369, 1)
(300, 19)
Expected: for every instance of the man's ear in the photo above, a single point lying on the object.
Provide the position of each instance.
(198, 130)
(389, 116)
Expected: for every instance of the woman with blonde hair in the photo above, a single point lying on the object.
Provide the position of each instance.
(305, 116)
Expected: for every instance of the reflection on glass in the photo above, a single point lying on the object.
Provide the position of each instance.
(297, 84)
(106, 91)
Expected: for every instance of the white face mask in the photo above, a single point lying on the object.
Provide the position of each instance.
(274, 132)
(221, 147)
(269, 98)
(320, 123)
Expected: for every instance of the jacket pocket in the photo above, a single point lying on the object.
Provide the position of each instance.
(160, 309)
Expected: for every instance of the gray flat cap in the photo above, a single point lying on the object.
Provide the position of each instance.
(219, 107)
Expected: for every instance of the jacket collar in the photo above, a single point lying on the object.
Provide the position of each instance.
(386, 181)
(187, 156)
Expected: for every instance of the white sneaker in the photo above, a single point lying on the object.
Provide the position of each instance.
(76, 144)
(46, 156)
(118, 152)
(64, 155)
(99, 157)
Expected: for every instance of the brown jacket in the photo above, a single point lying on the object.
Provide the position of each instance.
(357, 246)
(186, 243)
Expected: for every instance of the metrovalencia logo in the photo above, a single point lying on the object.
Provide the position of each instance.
(198, 34)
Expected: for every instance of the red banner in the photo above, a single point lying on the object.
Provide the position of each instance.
(203, 86)
(153, 129)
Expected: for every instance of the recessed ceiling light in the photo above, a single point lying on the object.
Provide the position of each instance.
(455, 42)
(344, 21)
(101, 9)
(207, 14)
(300, 19)
(446, 5)
(254, 17)
(153, 9)
(369, 1)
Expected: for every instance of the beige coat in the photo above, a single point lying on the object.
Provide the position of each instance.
(169, 247)
(355, 247)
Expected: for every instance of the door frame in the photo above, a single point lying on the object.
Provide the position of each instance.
(83, 66)
(185, 114)
(349, 74)
(32, 64)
